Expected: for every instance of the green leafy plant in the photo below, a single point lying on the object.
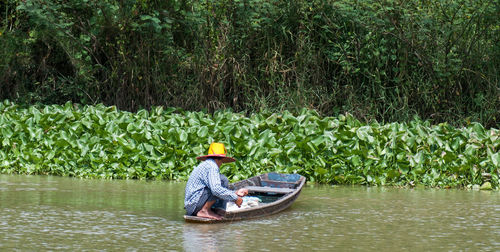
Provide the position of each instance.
(104, 142)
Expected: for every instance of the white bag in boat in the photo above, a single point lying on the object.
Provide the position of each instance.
(248, 202)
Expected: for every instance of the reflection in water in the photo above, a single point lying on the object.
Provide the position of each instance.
(213, 237)
(197, 236)
(53, 213)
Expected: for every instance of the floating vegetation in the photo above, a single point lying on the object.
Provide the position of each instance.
(103, 142)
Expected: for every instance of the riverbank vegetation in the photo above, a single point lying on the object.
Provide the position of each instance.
(378, 60)
(104, 142)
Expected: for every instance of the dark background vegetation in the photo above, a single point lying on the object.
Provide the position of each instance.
(378, 60)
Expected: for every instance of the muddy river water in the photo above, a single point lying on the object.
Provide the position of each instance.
(57, 213)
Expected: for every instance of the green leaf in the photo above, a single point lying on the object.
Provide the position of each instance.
(202, 131)
(183, 136)
(495, 159)
(479, 130)
(364, 132)
(356, 160)
(321, 171)
(318, 141)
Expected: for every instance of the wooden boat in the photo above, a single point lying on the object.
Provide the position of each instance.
(276, 190)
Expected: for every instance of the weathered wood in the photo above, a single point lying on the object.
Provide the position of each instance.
(266, 189)
(278, 184)
(190, 218)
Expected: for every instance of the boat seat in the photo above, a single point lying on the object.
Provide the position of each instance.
(267, 189)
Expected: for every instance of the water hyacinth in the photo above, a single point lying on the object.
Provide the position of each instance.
(103, 142)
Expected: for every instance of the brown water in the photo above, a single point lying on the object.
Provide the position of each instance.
(54, 213)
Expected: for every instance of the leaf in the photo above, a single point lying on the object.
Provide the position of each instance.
(495, 159)
(312, 148)
(318, 141)
(391, 174)
(479, 130)
(183, 136)
(6, 132)
(264, 137)
(202, 131)
(356, 160)
(321, 171)
(449, 157)
(364, 132)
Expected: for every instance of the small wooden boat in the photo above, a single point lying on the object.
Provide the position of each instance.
(276, 190)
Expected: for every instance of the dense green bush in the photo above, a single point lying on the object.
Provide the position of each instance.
(386, 60)
(103, 142)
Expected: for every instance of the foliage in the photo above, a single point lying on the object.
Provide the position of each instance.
(385, 60)
(103, 142)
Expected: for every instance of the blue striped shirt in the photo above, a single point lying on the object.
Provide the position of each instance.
(205, 175)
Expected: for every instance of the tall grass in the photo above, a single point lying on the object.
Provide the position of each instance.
(385, 60)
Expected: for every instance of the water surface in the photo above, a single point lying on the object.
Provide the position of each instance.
(50, 213)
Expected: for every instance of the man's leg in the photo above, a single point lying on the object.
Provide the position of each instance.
(207, 212)
(204, 205)
(208, 200)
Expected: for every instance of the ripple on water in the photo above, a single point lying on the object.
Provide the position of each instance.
(50, 227)
(102, 215)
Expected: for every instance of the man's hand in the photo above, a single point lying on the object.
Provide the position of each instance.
(239, 201)
(242, 192)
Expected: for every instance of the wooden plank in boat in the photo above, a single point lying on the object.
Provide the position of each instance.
(190, 218)
(266, 189)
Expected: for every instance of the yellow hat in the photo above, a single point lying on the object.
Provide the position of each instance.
(217, 150)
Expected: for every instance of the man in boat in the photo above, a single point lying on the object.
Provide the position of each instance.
(205, 184)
